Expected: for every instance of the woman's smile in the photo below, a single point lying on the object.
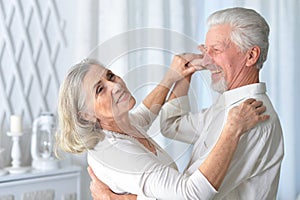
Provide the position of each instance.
(122, 97)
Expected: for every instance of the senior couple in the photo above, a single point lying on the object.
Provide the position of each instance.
(237, 141)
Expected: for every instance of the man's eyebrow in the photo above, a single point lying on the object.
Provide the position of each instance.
(217, 44)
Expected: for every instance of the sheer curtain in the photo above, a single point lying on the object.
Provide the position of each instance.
(137, 39)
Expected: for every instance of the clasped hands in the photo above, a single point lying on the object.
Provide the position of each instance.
(198, 61)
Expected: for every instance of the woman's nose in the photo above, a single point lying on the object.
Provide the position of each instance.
(116, 87)
(111, 86)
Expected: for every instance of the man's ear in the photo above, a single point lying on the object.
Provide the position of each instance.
(87, 116)
(253, 55)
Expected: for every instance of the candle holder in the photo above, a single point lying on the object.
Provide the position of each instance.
(16, 167)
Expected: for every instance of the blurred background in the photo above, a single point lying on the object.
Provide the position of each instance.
(41, 40)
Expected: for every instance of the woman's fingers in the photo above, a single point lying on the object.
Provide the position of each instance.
(249, 101)
(260, 109)
(256, 104)
(247, 115)
(187, 57)
(179, 68)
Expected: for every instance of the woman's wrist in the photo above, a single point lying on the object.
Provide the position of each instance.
(232, 131)
(167, 82)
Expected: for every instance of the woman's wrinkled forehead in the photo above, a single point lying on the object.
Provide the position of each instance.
(93, 75)
(96, 71)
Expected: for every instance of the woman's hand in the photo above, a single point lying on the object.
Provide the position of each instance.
(245, 116)
(178, 70)
(240, 119)
(180, 67)
(203, 61)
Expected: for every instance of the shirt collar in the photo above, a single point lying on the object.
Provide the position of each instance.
(238, 94)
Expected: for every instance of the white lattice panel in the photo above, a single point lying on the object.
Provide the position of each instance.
(31, 39)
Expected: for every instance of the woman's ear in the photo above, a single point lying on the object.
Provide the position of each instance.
(253, 55)
(87, 116)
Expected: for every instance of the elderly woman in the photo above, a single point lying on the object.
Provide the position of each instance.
(96, 114)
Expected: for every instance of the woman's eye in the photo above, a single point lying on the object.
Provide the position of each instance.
(110, 76)
(99, 89)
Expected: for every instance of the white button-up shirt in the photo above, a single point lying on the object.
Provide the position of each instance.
(255, 168)
(126, 166)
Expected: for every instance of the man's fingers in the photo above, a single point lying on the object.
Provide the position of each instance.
(92, 174)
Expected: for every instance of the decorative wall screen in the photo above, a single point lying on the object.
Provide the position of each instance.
(32, 37)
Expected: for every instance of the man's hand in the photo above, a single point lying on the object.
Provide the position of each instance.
(100, 191)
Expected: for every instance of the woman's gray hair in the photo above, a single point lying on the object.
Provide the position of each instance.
(75, 134)
(248, 29)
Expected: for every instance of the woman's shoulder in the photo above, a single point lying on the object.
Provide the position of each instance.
(121, 151)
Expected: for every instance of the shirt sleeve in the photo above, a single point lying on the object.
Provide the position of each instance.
(142, 116)
(177, 122)
(128, 168)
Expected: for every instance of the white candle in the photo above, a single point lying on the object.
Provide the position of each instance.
(16, 124)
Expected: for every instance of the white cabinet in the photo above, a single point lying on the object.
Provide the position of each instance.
(59, 184)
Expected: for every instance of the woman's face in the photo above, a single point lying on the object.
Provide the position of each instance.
(107, 94)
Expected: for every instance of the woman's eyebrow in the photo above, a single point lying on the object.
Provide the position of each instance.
(98, 82)
(109, 72)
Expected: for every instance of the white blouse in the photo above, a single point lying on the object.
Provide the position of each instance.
(126, 166)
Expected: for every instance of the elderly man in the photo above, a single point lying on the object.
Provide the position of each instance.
(237, 45)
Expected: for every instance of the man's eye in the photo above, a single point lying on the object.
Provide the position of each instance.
(99, 89)
(217, 51)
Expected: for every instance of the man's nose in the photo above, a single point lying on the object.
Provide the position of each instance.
(209, 52)
(207, 59)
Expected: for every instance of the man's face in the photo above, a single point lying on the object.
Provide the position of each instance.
(227, 58)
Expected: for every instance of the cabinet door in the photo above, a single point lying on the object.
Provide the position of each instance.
(54, 187)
